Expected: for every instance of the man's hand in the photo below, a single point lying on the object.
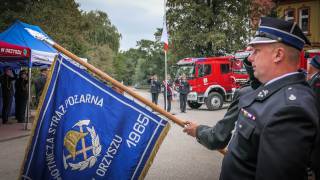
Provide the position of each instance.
(190, 128)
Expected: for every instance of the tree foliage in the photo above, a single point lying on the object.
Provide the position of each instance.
(136, 65)
(196, 28)
(260, 8)
(207, 27)
(86, 34)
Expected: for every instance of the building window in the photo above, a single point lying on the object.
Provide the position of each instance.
(304, 19)
(289, 15)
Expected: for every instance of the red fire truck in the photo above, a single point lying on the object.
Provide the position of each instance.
(213, 80)
(307, 55)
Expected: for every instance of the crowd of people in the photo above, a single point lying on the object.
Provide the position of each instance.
(181, 85)
(15, 87)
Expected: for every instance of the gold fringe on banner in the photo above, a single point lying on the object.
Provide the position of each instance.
(36, 118)
(154, 151)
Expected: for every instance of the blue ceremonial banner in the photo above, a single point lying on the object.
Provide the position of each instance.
(86, 130)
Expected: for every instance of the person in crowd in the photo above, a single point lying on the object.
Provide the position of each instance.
(40, 83)
(313, 78)
(168, 91)
(184, 89)
(7, 93)
(218, 136)
(155, 88)
(313, 75)
(278, 123)
(21, 96)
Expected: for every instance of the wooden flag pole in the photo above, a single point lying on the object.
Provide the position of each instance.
(114, 82)
(106, 77)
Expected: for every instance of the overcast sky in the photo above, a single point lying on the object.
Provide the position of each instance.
(134, 19)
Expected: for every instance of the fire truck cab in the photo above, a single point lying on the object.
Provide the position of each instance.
(211, 79)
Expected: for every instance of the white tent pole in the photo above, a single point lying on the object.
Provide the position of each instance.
(29, 96)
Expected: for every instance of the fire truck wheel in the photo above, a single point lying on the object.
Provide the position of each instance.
(194, 105)
(214, 101)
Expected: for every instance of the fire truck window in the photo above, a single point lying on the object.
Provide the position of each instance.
(224, 68)
(188, 70)
(204, 70)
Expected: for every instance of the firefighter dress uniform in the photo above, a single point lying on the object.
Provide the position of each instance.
(315, 79)
(218, 137)
(268, 118)
(278, 123)
(184, 89)
(314, 83)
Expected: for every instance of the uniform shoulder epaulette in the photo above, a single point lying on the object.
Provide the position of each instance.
(291, 95)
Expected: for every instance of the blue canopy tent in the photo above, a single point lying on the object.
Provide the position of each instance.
(41, 53)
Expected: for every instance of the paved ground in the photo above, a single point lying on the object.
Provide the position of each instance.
(179, 157)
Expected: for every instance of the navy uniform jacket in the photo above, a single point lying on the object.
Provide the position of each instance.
(184, 87)
(155, 86)
(39, 84)
(217, 137)
(6, 85)
(315, 85)
(275, 133)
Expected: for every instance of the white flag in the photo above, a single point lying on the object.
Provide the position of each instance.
(164, 36)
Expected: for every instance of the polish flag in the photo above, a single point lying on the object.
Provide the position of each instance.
(164, 36)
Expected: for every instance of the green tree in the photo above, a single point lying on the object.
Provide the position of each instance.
(102, 58)
(207, 27)
(139, 63)
(98, 30)
(86, 34)
(124, 65)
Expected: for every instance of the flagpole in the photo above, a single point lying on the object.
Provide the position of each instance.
(165, 80)
(165, 64)
(114, 82)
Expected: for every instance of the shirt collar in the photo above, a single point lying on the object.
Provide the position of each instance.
(280, 77)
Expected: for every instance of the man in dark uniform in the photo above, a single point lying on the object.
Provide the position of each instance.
(155, 88)
(168, 91)
(314, 75)
(218, 136)
(21, 96)
(40, 83)
(184, 89)
(313, 78)
(7, 93)
(278, 122)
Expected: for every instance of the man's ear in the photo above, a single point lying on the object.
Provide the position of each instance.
(278, 54)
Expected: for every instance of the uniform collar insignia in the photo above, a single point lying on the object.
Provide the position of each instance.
(292, 97)
(269, 89)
